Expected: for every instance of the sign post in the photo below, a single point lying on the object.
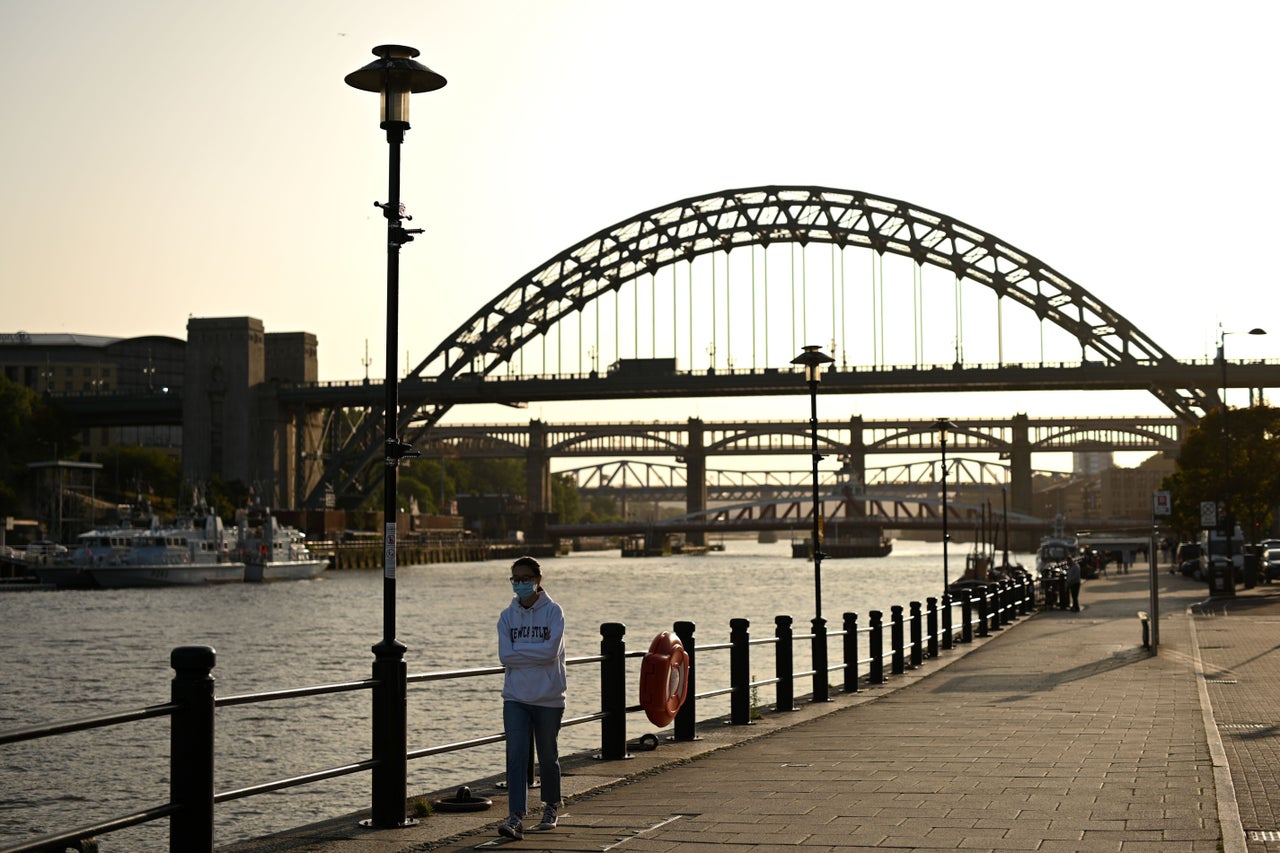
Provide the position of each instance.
(1162, 505)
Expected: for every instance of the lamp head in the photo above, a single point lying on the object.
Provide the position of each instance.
(943, 426)
(395, 75)
(812, 359)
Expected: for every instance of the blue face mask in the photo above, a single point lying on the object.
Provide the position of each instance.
(524, 590)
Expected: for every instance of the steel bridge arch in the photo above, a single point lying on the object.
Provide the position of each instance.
(721, 221)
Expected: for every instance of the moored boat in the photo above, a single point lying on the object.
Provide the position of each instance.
(188, 554)
(843, 541)
(272, 551)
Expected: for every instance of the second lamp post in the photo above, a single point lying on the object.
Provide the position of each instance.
(812, 359)
(943, 426)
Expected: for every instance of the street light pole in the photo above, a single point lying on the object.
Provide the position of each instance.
(1228, 518)
(812, 359)
(942, 425)
(394, 76)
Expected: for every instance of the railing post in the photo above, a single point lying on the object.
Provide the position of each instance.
(613, 691)
(851, 653)
(877, 647)
(390, 737)
(948, 641)
(917, 634)
(932, 625)
(1006, 604)
(784, 667)
(740, 672)
(983, 609)
(966, 616)
(821, 683)
(1027, 591)
(687, 716)
(897, 662)
(191, 749)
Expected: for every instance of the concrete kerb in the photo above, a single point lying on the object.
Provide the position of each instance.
(584, 775)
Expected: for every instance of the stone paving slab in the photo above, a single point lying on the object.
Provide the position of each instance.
(1058, 733)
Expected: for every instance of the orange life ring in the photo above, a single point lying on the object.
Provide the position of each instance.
(664, 679)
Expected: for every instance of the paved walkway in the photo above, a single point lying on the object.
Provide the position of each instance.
(1059, 733)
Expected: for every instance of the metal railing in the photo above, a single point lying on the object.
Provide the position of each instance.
(914, 636)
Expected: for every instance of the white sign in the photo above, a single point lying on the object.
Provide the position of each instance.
(1208, 514)
(389, 551)
(1163, 503)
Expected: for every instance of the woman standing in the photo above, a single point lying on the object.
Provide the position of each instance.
(531, 650)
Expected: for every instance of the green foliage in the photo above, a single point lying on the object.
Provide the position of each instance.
(33, 432)
(131, 473)
(224, 497)
(1249, 451)
(565, 501)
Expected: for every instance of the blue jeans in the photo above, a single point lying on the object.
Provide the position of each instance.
(526, 725)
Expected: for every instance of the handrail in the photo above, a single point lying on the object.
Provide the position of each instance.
(997, 605)
(98, 722)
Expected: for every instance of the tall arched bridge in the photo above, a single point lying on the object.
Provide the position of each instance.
(709, 296)
(713, 295)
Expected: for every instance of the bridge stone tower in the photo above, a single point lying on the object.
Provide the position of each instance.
(537, 469)
(233, 427)
(695, 460)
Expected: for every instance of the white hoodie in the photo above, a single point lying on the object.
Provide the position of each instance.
(531, 649)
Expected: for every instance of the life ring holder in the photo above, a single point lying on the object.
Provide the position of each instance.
(664, 679)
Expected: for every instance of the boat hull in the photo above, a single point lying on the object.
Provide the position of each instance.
(291, 570)
(65, 576)
(123, 577)
(843, 550)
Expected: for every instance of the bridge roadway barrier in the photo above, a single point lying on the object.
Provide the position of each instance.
(1060, 733)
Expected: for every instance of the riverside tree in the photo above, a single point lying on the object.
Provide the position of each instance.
(1242, 463)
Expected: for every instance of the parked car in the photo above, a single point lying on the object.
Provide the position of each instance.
(1271, 564)
(1189, 560)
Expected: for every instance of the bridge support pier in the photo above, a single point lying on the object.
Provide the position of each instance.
(695, 460)
(1020, 499)
(538, 469)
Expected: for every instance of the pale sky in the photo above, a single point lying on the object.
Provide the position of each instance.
(166, 160)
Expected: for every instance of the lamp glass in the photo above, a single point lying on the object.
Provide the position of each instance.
(395, 104)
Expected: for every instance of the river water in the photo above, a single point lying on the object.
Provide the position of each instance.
(70, 654)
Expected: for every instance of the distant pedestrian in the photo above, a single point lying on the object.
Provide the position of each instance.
(531, 650)
(1073, 583)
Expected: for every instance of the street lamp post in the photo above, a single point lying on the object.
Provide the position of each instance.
(812, 359)
(1228, 519)
(394, 76)
(943, 426)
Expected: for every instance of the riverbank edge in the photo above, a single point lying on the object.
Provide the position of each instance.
(583, 774)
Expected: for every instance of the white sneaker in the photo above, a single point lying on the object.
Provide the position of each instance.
(511, 827)
(549, 816)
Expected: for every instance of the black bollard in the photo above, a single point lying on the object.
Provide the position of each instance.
(877, 648)
(966, 616)
(687, 716)
(191, 749)
(851, 653)
(740, 672)
(821, 685)
(983, 604)
(897, 661)
(917, 634)
(931, 605)
(948, 640)
(784, 667)
(613, 691)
